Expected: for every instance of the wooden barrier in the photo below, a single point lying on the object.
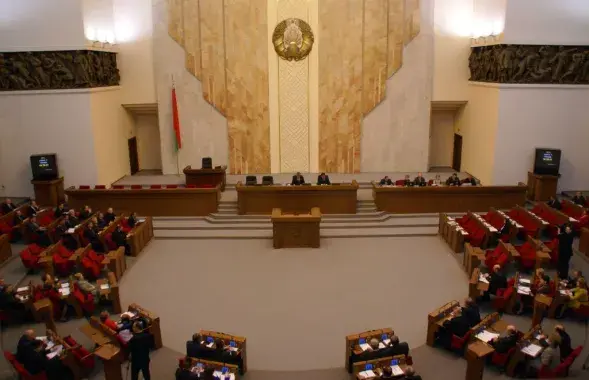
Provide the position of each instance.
(296, 231)
(436, 319)
(584, 241)
(111, 293)
(378, 366)
(540, 224)
(572, 209)
(140, 236)
(519, 356)
(199, 177)
(410, 200)
(240, 343)
(115, 262)
(217, 366)
(558, 217)
(5, 248)
(153, 322)
(152, 202)
(473, 257)
(108, 230)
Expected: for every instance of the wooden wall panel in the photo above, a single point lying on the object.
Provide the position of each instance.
(212, 45)
(396, 33)
(175, 21)
(246, 47)
(375, 55)
(192, 37)
(340, 85)
(412, 20)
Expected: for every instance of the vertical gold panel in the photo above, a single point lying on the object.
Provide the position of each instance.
(340, 85)
(375, 53)
(396, 34)
(246, 30)
(412, 20)
(212, 45)
(293, 98)
(192, 37)
(175, 21)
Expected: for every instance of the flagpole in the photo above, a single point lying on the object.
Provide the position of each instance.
(177, 150)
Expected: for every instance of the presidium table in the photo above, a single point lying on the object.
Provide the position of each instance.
(296, 230)
(330, 199)
(199, 177)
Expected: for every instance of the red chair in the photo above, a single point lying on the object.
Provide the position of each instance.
(30, 256)
(171, 186)
(86, 301)
(100, 187)
(528, 255)
(110, 245)
(118, 187)
(498, 256)
(61, 261)
(503, 296)
(458, 343)
(6, 228)
(400, 182)
(501, 360)
(91, 264)
(582, 312)
(82, 355)
(191, 186)
(20, 369)
(84, 187)
(155, 186)
(136, 187)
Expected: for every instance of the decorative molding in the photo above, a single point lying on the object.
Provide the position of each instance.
(530, 64)
(57, 70)
(448, 105)
(507, 86)
(138, 109)
(61, 92)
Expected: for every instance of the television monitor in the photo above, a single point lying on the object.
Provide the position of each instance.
(547, 161)
(44, 166)
(210, 339)
(368, 367)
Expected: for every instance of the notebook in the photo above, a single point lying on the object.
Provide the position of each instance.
(486, 336)
(532, 350)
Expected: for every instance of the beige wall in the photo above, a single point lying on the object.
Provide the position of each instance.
(111, 128)
(148, 142)
(441, 138)
(477, 124)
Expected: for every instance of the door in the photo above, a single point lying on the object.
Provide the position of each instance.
(133, 155)
(457, 154)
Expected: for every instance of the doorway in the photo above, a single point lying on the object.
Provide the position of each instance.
(457, 153)
(133, 155)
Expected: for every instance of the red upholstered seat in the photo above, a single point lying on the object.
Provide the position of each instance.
(458, 343)
(155, 186)
(191, 186)
(84, 187)
(400, 182)
(100, 187)
(91, 263)
(477, 237)
(81, 354)
(118, 187)
(171, 186)
(86, 301)
(30, 256)
(20, 369)
(498, 256)
(582, 312)
(503, 297)
(528, 255)
(136, 187)
(61, 262)
(109, 243)
(5, 228)
(501, 360)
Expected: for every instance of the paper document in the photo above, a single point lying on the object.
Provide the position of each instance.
(367, 374)
(23, 289)
(525, 281)
(381, 345)
(493, 229)
(104, 286)
(41, 338)
(486, 336)
(387, 341)
(140, 220)
(56, 351)
(463, 232)
(71, 230)
(50, 344)
(544, 222)
(397, 371)
(365, 346)
(565, 292)
(482, 278)
(524, 290)
(519, 225)
(233, 349)
(125, 335)
(65, 284)
(64, 291)
(532, 350)
(219, 375)
(210, 345)
(571, 219)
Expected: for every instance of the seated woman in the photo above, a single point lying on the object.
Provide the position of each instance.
(105, 319)
(540, 286)
(579, 296)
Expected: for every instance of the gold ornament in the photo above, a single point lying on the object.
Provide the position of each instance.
(293, 39)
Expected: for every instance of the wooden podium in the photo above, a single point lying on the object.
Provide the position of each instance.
(49, 193)
(206, 176)
(296, 231)
(541, 187)
(584, 242)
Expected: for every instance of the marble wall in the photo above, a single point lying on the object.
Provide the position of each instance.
(191, 19)
(212, 40)
(396, 35)
(375, 53)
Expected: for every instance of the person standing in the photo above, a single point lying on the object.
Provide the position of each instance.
(565, 251)
(139, 347)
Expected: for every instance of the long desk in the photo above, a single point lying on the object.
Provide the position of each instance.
(5, 248)
(428, 199)
(152, 202)
(140, 236)
(239, 342)
(293, 231)
(353, 346)
(331, 199)
(199, 177)
(364, 370)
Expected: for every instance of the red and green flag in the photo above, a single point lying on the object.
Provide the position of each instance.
(176, 119)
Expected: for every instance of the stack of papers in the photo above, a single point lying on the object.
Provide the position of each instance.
(482, 278)
(125, 335)
(104, 286)
(486, 336)
(387, 341)
(367, 374)
(381, 345)
(397, 371)
(571, 219)
(525, 281)
(64, 291)
(219, 375)
(71, 230)
(65, 284)
(565, 292)
(55, 351)
(210, 345)
(532, 350)
(23, 289)
(524, 290)
(365, 346)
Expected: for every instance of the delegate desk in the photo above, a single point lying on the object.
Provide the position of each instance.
(237, 344)
(200, 177)
(331, 199)
(584, 241)
(5, 248)
(152, 202)
(354, 341)
(373, 369)
(529, 347)
(436, 319)
(294, 231)
(140, 235)
(479, 350)
(430, 199)
(199, 365)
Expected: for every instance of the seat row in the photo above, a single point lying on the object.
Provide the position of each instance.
(140, 187)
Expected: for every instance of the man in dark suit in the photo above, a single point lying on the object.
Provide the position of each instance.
(471, 312)
(396, 347)
(579, 199)
(552, 202)
(407, 181)
(8, 206)
(41, 232)
(386, 181)
(109, 216)
(502, 345)
(59, 211)
(419, 180)
(193, 347)
(28, 353)
(470, 180)
(496, 281)
(298, 179)
(453, 180)
(410, 374)
(85, 213)
(72, 220)
(184, 372)
(34, 208)
(92, 237)
(120, 239)
(132, 220)
(18, 218)
(565, 342)
(373, 353)
(455, 325)
(323, 179)
(139, 347)
(575, 276)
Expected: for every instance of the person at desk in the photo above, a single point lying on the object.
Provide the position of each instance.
(184, 372)
(552, 202)
(119, 237)
(323, 179)
(110, 215)
(419, 180)
(126, 323)
(28, 353)
(139, 347)
(9, 304)
(41, 232)
(470, 181)
(407, 181)
(547, 360)
(132, 220)
(59, 211)
(372, 352)
(396, 347)
(298, 179)
(410, 374)
(456, 325)
(101, 222)
(386, 181)
(575, 276)
(84, 285)
(437, 181)
(540, 286)
(471, 312)
(387, 373)
(8, 206)
(92, 237)
(579, 199)
(18, 218)
(105, 320)
(453, 180)
(85, 213)
(565, 250)
(71, 220)
(503, 344)
(579, 296)
(496, 281)
(193, 347)
(34, 208)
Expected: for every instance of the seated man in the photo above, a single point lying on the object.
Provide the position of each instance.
(496, 281)
(105, 319)
(184, 372)
(387, 373)
(41, 232)
(372, 353)
(584, 219)
(470, 180)
(323, 179)
(59, 211)
(502, 345)
(8, 206)
(410, 374)
(419, 180)
(437, 181)
(193, 347)
(453, 180)
(9, 304)
(132, 220)
(298, 179)
(34, 208)
(28, 353)
(92, 237)
(471, 312)
(119, 237)
(84, 284)
(407, 181)
(552, 202)
(85, 213)
(457, 325)
(18, 218)
(386, 181)
(109, 216)
(579, 199)
(396, 348)
(101, 222)
(72, 221)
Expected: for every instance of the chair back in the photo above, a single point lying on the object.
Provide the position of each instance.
(251, 180)
(207, 163)
(267, 180)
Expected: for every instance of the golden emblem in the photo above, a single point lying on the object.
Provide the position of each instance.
(293, 39)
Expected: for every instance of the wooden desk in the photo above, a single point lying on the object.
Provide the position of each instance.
(112, 293)
(436, 319)
(43, 312)
(217, 366)
(584, 241)
(352, 346)
(331, 199)
(111, 357)
(296, 231)
(115, 262)
(240, 342)
(5, 248)
(473, 257)
(140, 236)
(519, 356)
(68, 358)
(199, 177)
(153, 322)
(541, 187)
(378, 366)
(428, 199)
(476, 287)
(541, 304)
(152, 202)
(49, 193)
(475, 359)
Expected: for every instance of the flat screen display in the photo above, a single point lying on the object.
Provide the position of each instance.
(44, 166)
(547, 161)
